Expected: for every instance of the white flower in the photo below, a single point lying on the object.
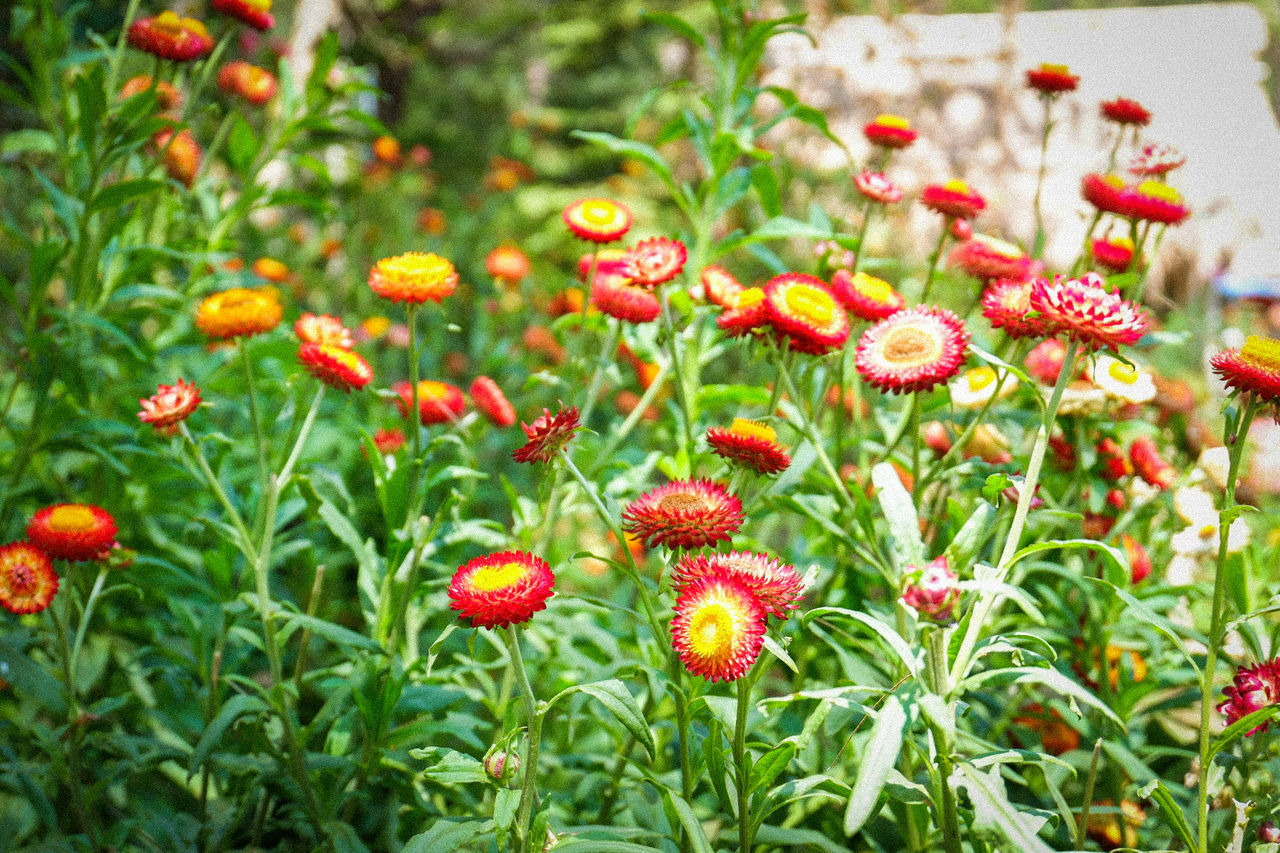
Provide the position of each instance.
(1216, 462)
(975, 387)
(1194, 505)
(1181, 570)
(1121, 381)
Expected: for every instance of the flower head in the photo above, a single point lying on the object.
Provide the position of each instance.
(618, 296)
(547, 435)
(27, 579)
(655, 261)
(1252, 369)
(72, 531)
(501, 589)
(1125, 111)
(914, 350)
(181, 155)
(413, 277)
(751, 444)
(489, 399)
(389, 441)
(239, 311)
(1149, 464)
(507, 264)
(599, 220)
(1252, 689)
(775, 584)
(720, 286)
(1051, 79)
(865, 296)
(1156, 160)
(438, 402)
(684, 514)
(933, 591)
(1006, 303)
(335, 366)
(986, 257)
(975, 387)
(889, 131)
(1113, 253)
(168, 96)
(1122, 381)
(1083, 309)
(954, 198)
(323, 329)
(255, 13)
(169, 36)
(169, 406)
(256, 85)
(746, 315)
(876, 187)
(719, 628)
(803, 309)
(1152, 201)
(1104, 192)
(1045, 360)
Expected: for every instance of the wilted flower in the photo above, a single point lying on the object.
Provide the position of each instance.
(72, 531)
(547, 435)
(932, 591)
(718, 629)
(913, 350)
(170, 406)
(501, 589)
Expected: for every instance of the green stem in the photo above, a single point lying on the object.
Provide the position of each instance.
(936, 257)
(1086, 250)
(740, 762)
(533, 743)
(868, 209)
(259, 440)
(940, 684)
(246, 540)
(682, 383)
(1082, 826)
(815, 439)
(1038, 242)
(602, 365)
(75, 784)
(85, 616)
(1217, 623)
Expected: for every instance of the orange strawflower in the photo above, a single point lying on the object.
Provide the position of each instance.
(170, 406)
(239, 311)
(386, 149)
(255, 13)
(489, 399)
(507, 264)
(335, 366)
(167, 95)
(323, 329)
(27, 579)
(413, 277)
(181, 155)
(256, 85)
(272, 270)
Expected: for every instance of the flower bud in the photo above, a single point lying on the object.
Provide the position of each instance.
(933, 591)
(502, 766)
(1269, 833)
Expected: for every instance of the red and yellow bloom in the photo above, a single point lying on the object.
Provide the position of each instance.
(751, 444)
(889, 131)
(169, 36)
(27, 579)
(1125, 111)
(335, 366)
(599, 220)
(718, 629)
(865, 296)
(1252, 369)
(775, 584)
(684, 514)
(72, 531)
(170, 406)
(438, 402)
(803, 309)
(239, 311)
(501, 589)
(954, 198)
(913, 350)
(414, 277)
(1050, 79)
(255, 13)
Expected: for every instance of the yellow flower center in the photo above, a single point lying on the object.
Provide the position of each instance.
(1155, 189)
(1000, 247)
(876, 289)
(599, 212)
(429, 389)
(489, 578)
(753, 429)
(169, 23)
(956, 185)
(979, 378)
(890, 120)
(260, 5)
(1113, 181)
(1261, 352)
(1121, 243)
(911, 346)
(1051, 68)
(1121, 372)
(810, 303)
(72, 519)
(748, 298)
(711, 630)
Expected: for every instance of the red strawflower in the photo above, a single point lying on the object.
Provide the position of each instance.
(751, 444)
(599, 220)
(169, 406)
(655, 261)
(1252, 689)
(865, 296)
(1114, 253)
(877, 187)
(1083, 309)
(27, 579)
(489, 399)
(1139, 560)
(1044, 362)
(323, 329)
(1156, 160)
(335, 366)
(1252, 369)
(169, 36)
(508, 264)
(932, 591)
(720, 286)
(718, 629)
(776, 585)
(1007, 305)
(438, 402)
(1104, 192)
(1149, 465)
(255, 13)
(72, 531)
(1052, 79)
(1112, 463)
(803, 309)
(1125, 111)
(389, 441)
(618, 297)
(954, 198)
(501, 589)
(913, 350)
(986, 257)
(889, 131)
(684, 514)
(748, 313)
(547, 435)
(1152, 201)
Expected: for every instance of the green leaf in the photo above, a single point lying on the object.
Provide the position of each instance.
(972, 538)
(27, 141)
(593, 845)
(772, 763)
(992, 811)
(1240, 727)
(1173, 813)
(335, 634)
(693, 830)
(678, 26)
(124, 192)
(879, 757)
(713, 751)
(1111, 555)
(231, 710)
(900, 512)
(613, 694)
(1139, 610)
(29, 677)
(242, 144)
(1050, 678)
(448, 836)
(890, 636)
(447, 765)
(797, 839)
(715, 396)
(641, 151)
(766, 185)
